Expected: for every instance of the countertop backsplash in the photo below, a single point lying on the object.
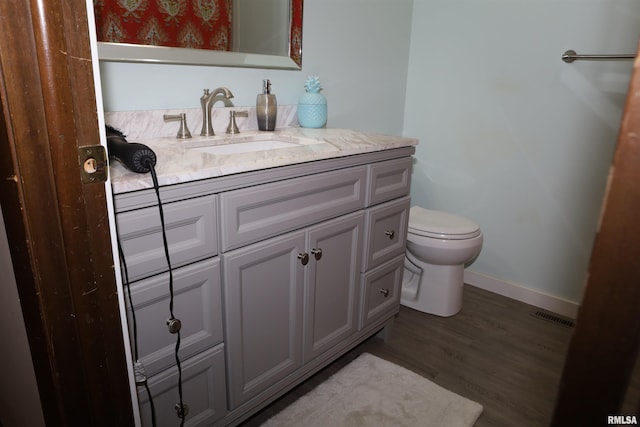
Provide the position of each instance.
(141, 125)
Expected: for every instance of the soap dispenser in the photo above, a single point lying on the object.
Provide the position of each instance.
(266, 107)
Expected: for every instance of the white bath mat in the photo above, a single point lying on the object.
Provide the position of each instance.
(373, 392)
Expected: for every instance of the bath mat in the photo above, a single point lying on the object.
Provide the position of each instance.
(373, 392)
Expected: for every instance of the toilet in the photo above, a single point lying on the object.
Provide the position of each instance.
(439, 247)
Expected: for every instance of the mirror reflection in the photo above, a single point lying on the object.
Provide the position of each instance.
(260, 32)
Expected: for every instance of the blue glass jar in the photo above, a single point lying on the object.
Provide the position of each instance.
(312, 110)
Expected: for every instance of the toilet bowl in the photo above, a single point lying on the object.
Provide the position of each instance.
(439, 247)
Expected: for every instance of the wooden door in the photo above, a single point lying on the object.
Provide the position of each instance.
(604, 346)
(57, 227)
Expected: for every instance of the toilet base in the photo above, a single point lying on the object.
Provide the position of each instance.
(439, 290)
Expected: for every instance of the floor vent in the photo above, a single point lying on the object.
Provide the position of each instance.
(554, 318)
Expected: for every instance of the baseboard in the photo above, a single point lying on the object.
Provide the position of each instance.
(520, 293)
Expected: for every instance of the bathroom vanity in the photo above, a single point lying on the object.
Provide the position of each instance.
(283, 259)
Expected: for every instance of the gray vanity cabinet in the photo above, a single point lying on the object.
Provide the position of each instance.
(276, 274)
(289, 299)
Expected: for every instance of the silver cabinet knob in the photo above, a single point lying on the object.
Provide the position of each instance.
(317, 253)
(390, 233)
(174, 325)
(384, 292)
(181, 410)
(304, 258)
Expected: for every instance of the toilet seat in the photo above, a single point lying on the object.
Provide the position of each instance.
(441, 225)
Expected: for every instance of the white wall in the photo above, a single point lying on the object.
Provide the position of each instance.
(358, 48)
(513, 137)
(19, 397)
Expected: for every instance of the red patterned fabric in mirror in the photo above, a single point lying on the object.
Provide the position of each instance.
(198, 24)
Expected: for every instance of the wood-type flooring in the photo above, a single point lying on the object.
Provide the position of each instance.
(496, 351)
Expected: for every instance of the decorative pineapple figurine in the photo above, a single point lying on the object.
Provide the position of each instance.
(312, 107)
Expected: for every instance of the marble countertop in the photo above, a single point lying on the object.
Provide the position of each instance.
(184, 160)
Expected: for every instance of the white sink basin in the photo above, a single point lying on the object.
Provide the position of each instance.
(245, 147)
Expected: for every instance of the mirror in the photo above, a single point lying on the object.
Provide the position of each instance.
(231, 33)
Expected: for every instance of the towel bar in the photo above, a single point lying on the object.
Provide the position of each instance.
(571, 55)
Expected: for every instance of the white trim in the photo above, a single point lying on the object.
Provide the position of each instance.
(111, 215)
(521, 293)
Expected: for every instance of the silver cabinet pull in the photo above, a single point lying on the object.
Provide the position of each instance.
(304, 258)
(390, 233)
(570, 55)
(317, 253)
(384, 292)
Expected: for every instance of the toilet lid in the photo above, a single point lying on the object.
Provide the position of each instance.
(442, 225)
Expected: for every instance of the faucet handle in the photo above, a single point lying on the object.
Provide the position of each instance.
(183, 132)
(232, 128)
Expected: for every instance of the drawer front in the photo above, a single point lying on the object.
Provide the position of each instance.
(197, 304)
(386, 235)
(389, 180)
(191, 235)
(255, 213)
(381, 288)
(203, 391)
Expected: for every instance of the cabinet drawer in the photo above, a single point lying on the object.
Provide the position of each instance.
(254, 213)
(191, 235)
(203, 391)
(386, 235)
(388, 180)
(381, 291)
(197, 303)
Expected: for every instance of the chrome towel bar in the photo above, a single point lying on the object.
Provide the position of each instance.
(571, 55)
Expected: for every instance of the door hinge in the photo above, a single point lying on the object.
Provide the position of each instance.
(93, 164)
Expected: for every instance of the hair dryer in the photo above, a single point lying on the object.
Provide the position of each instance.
(134, 156)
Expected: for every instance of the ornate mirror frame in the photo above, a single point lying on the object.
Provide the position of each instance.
(124, 52)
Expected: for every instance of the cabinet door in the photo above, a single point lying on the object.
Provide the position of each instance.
(263, 292)
(332, 283)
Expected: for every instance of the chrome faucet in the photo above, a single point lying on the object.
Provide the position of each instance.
(207, 100)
